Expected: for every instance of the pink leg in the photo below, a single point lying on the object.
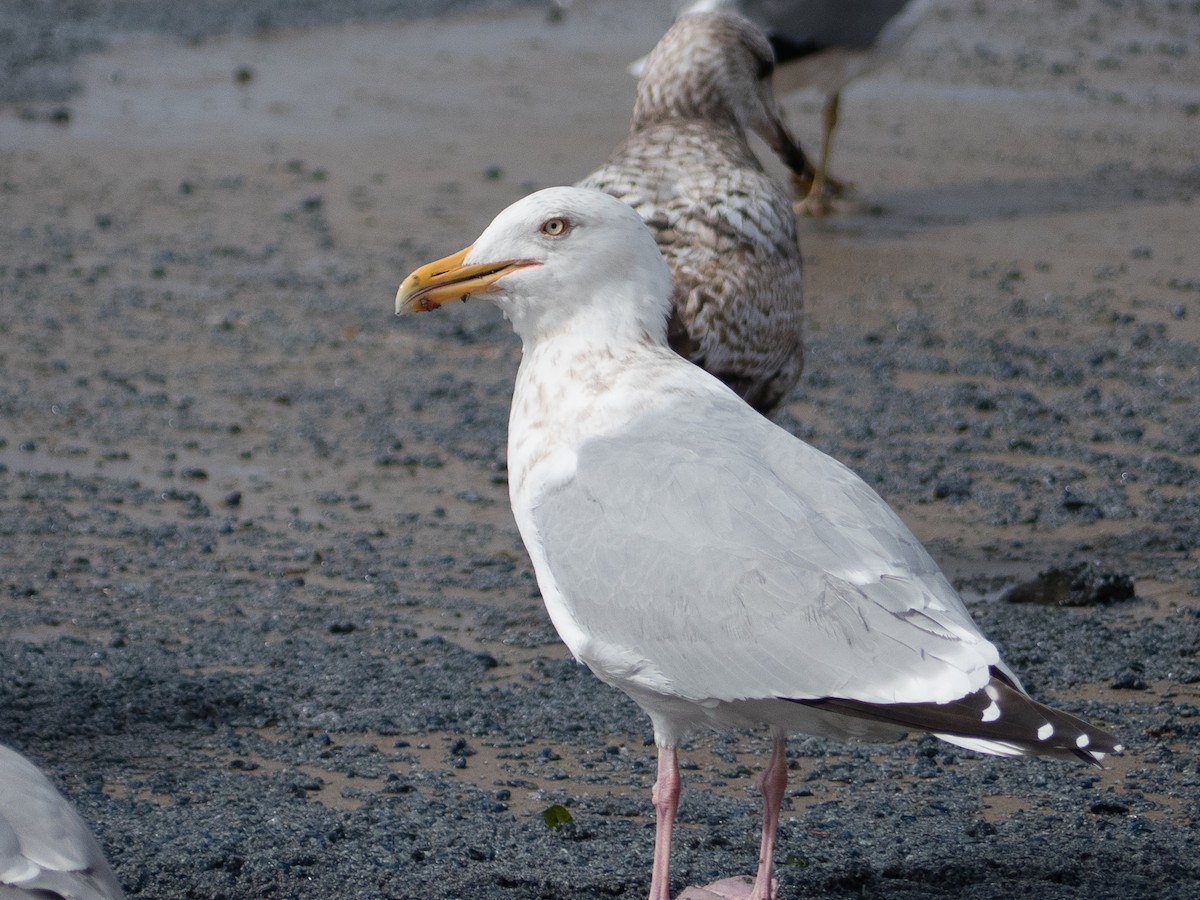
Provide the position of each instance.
(772, 783)
(666, 802)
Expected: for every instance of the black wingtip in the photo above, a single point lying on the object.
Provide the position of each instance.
(999, 714)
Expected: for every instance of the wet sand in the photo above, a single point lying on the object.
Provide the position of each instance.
(265, 615)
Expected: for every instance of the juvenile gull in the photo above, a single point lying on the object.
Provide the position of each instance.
(696, 556)
(825, 44)
(46, 850)
(726, 228)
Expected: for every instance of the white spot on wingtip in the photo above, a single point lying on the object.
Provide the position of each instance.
(1082, 741)
(992, 713)
(993, 694)
(1046, 732)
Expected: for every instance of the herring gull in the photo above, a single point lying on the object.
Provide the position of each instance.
(715, 568)
(46, 850)
(825, 44)
(726, 227)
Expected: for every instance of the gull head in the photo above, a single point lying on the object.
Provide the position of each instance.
(716, 66)
(560, 259)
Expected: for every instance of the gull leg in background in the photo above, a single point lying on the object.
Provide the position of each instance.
(772, 783)
(817, 201)
(824, 45)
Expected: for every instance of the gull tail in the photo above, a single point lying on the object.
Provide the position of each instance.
(999, 719)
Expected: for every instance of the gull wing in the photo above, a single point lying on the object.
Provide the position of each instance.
(708, 554)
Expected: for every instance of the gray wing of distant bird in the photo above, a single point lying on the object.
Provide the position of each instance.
(801, 27)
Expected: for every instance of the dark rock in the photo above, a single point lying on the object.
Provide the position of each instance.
(1083, 584)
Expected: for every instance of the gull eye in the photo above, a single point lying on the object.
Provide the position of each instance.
(555, 227)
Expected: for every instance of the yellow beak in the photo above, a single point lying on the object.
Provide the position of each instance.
(448, 279)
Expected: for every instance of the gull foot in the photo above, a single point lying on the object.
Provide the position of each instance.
(740, 887)
(835, 187)
(814, 205)
(818, 199)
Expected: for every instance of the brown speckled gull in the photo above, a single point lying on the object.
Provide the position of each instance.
(725, 227)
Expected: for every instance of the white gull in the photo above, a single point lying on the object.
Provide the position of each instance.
(718, 570)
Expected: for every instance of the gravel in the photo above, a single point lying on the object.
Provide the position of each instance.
(264, 615)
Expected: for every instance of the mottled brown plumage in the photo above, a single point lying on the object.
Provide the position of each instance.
(725, 227)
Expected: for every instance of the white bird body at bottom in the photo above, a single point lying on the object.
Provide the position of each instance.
(46, 850)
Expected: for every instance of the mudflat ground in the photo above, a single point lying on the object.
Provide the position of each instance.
(264, 614)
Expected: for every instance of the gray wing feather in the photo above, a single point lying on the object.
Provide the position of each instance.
(741, 563)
